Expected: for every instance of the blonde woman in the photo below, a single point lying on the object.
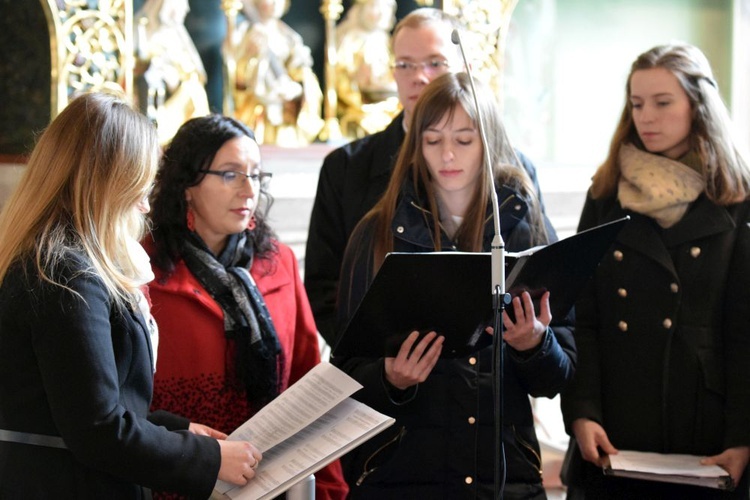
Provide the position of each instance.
(662, 332)
(76, 354)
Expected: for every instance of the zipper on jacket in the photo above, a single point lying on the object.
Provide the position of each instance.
(528, 446)
(385, 445)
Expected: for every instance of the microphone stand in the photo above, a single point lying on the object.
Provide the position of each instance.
(499, 298)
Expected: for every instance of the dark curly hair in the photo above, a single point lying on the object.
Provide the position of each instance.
(191, 150)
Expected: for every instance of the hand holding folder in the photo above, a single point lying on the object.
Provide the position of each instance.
(451, 292)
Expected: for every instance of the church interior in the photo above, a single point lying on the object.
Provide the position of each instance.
(309, 76)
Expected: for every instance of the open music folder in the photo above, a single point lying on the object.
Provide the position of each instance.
(308, 426)
(451, 292)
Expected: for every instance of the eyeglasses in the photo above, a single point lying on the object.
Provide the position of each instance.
(431, 67)
(236, 179)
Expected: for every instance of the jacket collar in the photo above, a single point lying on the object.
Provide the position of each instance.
(412, 222)
(703, 219)
(387, 146)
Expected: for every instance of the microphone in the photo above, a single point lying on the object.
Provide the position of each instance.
(497, 247)
(497, 259)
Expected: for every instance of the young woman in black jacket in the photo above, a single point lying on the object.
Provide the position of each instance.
(442, 445)
(662, 331)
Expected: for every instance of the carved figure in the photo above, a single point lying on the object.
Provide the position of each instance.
(169, 73)
(277, 93)
(366, 90)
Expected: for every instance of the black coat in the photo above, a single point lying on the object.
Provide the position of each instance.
(442, 445)
(662, 332)
(352, 179)
(75, 366)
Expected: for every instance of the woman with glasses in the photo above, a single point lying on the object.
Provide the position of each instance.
(235, 325)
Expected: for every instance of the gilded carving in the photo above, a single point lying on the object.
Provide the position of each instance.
(487, 32)
(91, 47)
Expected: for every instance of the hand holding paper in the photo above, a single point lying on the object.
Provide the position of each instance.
(528, 329)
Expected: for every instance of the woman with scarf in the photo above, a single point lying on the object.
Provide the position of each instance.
(235, 325)
(663, 363)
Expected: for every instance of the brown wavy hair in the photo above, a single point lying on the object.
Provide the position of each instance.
(724, 169)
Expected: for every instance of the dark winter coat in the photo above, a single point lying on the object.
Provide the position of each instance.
(74, 365)
(442, 445)
(662, 332)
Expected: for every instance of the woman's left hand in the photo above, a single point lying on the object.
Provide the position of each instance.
(204, 430)
(529, 329)
(733, 460)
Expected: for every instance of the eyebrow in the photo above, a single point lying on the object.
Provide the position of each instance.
(431, 57)
(660, 94)
(461, 130)
(238, 166)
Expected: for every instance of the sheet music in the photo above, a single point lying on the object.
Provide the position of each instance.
(305, 428)
(665, 464)
(318, 391)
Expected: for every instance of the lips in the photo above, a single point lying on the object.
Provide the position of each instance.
(449, 173)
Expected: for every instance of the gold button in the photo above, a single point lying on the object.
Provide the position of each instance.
(400, 229)
(695, 252)
(622, 326)
(472, 360)
(469, 480)
(674, 287)
(618, 255)
(667, 323)
(472, 420)
(622, 292)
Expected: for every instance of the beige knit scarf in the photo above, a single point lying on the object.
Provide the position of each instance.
(656, 186)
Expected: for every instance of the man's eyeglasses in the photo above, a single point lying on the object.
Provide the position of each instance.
(432, 67)
(236, 179)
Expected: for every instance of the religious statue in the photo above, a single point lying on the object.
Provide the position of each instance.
(277, 94)
(169, 73)
(364, 81)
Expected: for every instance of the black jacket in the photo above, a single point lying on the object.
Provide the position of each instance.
(73, 365)
(662, 332)
(352, 179)
(442, 443)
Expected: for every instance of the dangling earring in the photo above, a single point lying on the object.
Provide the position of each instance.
(190, 216)
(251, 224)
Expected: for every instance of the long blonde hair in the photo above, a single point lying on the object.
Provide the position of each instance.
(79, 191)
(438, 99)
(724, 169)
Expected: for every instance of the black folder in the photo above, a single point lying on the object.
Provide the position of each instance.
(451, 292)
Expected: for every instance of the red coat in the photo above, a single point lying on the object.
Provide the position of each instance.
(194, 354)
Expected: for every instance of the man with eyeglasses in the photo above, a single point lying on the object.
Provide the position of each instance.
(353, 177)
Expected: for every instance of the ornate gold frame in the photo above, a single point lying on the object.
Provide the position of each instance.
(90, 48)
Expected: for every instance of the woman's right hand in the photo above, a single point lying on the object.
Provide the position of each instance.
(591, 438)
(239, 459)
(406, 370)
